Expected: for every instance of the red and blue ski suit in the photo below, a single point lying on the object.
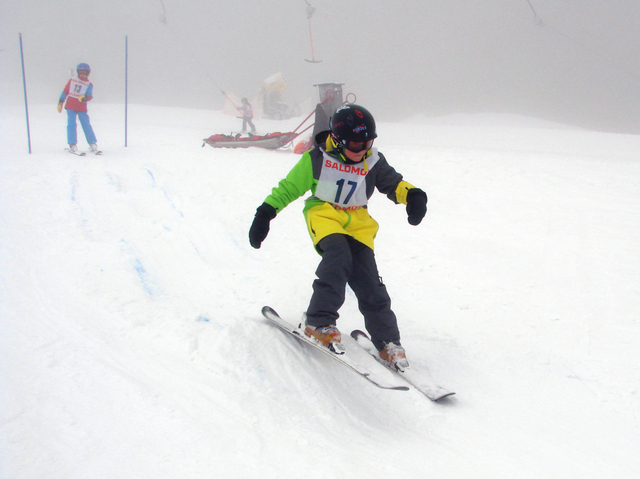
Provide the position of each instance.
(78, 92)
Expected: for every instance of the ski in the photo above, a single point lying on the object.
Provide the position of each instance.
(77, 153)
(361, 364)
(421, 380)
(97, 152)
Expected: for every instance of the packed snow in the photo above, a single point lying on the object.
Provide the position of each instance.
(132, 344)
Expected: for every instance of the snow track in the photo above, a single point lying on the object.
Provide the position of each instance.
(131, 343)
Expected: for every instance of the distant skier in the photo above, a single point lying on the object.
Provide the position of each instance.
(342, 172)
(77, 92)
(247, 115)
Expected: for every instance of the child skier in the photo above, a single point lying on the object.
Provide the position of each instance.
(247, 115)
(77, 92)
(342, 172)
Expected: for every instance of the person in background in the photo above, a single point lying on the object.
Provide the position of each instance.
(247, 115)
(342, 173)
(77, 93)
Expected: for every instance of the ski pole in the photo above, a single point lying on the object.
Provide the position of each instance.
(26, 103)
(229, 98)
(126, 85)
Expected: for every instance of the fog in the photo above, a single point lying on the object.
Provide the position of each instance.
(566, 61)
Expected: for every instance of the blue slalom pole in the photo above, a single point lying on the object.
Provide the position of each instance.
(26, 103)
(126, 84)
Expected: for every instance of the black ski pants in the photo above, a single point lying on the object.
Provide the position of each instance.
(347, 261)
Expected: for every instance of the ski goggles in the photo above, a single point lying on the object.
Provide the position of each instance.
(358, 146)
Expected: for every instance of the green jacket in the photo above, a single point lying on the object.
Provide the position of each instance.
(304, 177)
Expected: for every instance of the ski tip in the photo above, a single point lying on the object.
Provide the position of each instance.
(444, 398)
(356, 333)
(268, 309)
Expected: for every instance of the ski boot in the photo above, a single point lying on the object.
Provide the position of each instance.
(328, 336)
(394, 355)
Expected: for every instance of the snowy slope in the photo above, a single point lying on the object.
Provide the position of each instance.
(131, 340)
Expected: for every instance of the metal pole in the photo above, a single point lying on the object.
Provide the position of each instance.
(126, 84)
(24, 85)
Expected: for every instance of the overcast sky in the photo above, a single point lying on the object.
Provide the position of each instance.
(563, 60)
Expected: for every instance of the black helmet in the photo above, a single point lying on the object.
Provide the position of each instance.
(352, 123)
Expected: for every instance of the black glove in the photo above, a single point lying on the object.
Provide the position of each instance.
(416, 205)
(260, 226)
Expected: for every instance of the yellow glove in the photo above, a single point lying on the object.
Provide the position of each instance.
(59, 107)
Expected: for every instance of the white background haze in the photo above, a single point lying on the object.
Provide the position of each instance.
(575, 62)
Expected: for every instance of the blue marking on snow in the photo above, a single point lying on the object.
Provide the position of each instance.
(142, 273)
(154, 184)
(112, 180)
(148, 282)
(196, 248)
(153, 178)
(74, 198)
(74, 185)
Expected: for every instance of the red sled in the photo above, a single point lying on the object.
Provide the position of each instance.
(270, 141)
